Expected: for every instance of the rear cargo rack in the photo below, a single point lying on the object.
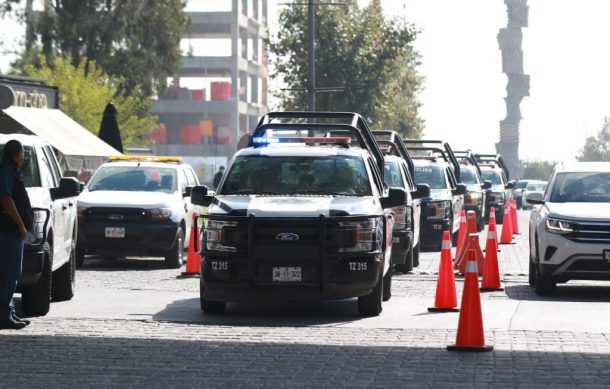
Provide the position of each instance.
(397, 146)
(495, 159)
(468, 156)
(439, 148)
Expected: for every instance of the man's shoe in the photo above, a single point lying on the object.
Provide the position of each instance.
(17, 318)
(11, 324)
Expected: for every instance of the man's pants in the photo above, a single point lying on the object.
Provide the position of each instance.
(11, 258)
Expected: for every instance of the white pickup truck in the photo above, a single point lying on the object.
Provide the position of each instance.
(48, 259)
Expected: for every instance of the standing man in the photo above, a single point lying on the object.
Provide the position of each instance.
(16, 219)
(218, 176)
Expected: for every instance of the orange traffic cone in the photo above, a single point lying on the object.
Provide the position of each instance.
(446, 300)
(472, 229)
(193, 260)
(473, 245)
(470, 335)
(514, 220)
(492, 221)
(462, 233)
(491, 272)
(507, 229)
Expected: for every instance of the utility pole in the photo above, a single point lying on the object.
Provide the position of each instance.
(311, 55)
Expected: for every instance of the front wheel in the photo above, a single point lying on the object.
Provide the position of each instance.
(387, 285)
(175, 256)
(80, 255)
(532, 273)
(408, 265)
(370, 305)
(208, 306)
(64, 278)
(416, 255)
(36, 299)
(544, 285)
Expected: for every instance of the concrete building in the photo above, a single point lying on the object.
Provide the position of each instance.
(220, 90)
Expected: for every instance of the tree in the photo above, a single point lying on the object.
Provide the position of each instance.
(597, 148)
(137, 41)
(372, 60)
(537, 170)
(85, 91)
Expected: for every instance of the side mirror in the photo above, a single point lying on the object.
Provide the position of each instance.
(68, 187)
(187, 191)
(510, 185)
(82, 186)
(199, 196)
(396, 198)
(486, 184)
(535, 198)
(460, 189)
(423, 191)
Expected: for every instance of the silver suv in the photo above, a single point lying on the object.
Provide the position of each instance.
(570, 227)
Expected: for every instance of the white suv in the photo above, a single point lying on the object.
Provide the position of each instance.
(570, 227)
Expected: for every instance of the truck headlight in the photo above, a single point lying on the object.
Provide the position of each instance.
(36, 236)
(160, 213)
(438, 210)
(214, 233)
(472, 198)
(402, 218)
(495, 197)
(368, 235)
(80, 211)
(558, 226)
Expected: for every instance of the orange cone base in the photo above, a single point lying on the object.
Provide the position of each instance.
(474, 349)
(500, 243)
(491, 289)
(188, 275)
(434, 309)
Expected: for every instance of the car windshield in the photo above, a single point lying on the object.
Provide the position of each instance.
(492, 175)
(392, 176)
(468, 175)
(29, 169)
(581, 188)
(134, 178)
(536, 187)
(432, 175)
(290, 175)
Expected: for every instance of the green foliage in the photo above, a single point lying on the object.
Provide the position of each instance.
(360, 50)
(84, 92)
(137, 41)
(537, 170)
(597, 148)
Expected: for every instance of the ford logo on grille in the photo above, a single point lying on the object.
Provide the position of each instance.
(287, 237)
(115, 218)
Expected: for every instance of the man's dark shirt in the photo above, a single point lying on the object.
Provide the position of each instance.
(12, 184)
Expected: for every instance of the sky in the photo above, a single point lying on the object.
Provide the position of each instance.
(462, 103)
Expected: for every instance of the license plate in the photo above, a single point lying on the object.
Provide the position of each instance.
(437, 226)
(114, 232)
(395, 239)
(286, 274)
(606, 255)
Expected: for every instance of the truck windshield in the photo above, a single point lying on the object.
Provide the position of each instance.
(392, 176)
(492, 175)
(132, 178)
(290, 175)
(581, 188)
(468, 175)
(29, 169)
(431, 175)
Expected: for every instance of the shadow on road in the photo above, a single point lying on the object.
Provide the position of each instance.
(565, 292)
(122, 264)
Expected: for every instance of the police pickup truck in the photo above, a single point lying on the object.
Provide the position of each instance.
(48, 258)
(300, 215)
(494, 169)
(470, 175)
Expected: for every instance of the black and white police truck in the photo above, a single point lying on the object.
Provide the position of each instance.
(300, 215)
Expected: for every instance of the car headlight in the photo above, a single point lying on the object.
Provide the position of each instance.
(160, 213)
(495, 197)
(439, 210)
(558, 226)
(472, 198)
(402, 218)
(36, 236)
(368, 235)
(214, 233)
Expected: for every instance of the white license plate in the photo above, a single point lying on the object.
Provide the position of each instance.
(286, 274)
(114, 232)
(437, 226)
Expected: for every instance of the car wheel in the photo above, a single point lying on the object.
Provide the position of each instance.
(408, 265)
(36, 299)
(175, 256)
(208, 306)
(387, 285)
(416, 255)
(544, 285)
(80, 255)
(532, 273)
(62, 288)
(371, 304)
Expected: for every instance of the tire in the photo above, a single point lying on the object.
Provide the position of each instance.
(544, 285)
(387, 285)
(532, 273)
(371, 304)
(79, 256)
(210, 307)
(63, 285)
(408, 265)
(416, 255)
(175, 256)
(36, 299)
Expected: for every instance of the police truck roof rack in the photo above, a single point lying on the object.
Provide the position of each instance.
(468, 156)
(394, 141)
(494, 159)
(321, 123)
(438, 147)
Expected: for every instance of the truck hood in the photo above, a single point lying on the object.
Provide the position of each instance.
(294, 206)
(585, 211)
(439, 194)
(124, 199)
(39, 197)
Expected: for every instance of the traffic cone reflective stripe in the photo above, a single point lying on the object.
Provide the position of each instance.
(193, 260)
(491, 272)
(445, 300)
(507, 230)
(514, 219)
(462, 233)
(470, 336)
(492, 221)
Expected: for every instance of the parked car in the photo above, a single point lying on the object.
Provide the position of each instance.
(470, 175)
(569, 227)
(48, 258)
(494, 169)
(533, 186)
(519, 189)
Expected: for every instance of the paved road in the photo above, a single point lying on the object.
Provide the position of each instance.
(134, 323)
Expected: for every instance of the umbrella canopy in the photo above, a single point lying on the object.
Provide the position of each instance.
(109, 129)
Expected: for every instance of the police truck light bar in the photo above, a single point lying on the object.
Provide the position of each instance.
(262, 140)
